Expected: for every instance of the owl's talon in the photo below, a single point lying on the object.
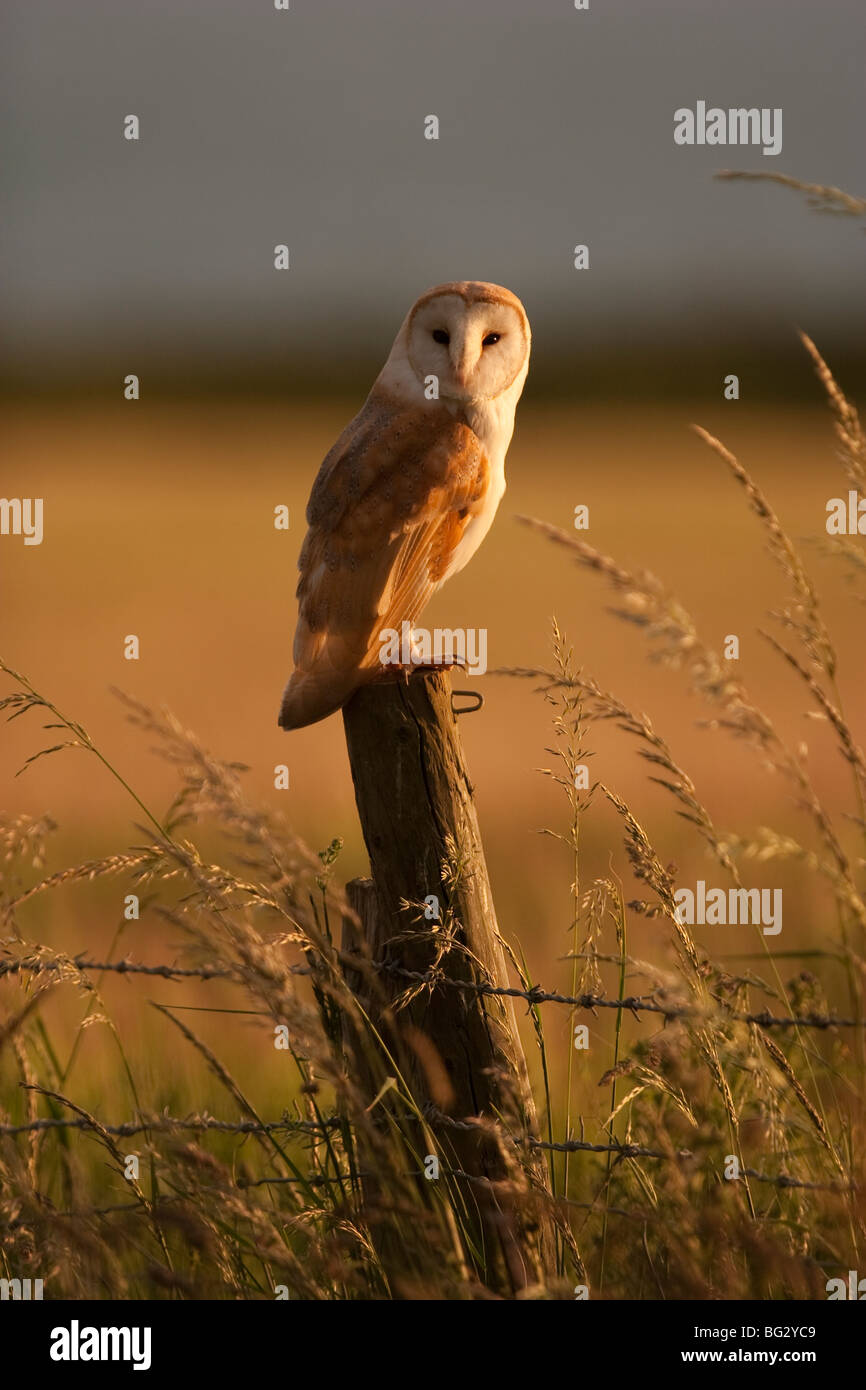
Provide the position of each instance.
(439, 666)
(394, 671)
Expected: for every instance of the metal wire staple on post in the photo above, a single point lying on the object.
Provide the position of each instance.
(429, 904)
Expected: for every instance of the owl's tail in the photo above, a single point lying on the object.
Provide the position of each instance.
(313, 695)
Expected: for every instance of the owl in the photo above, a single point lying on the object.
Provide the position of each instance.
(409, 490)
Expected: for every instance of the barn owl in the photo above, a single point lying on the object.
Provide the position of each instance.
(410, 489)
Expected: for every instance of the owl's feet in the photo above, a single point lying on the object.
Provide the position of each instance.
(439, 666)
(396, 671)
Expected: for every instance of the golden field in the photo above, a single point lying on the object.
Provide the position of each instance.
(158, 522)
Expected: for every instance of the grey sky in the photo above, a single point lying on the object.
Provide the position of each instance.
(307, 127)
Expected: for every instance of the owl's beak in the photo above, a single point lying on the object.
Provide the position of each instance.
(462, 372)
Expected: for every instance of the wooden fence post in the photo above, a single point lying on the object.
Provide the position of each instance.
(461, 1047)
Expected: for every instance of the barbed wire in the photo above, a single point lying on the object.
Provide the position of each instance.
(199, 1123)
(167, 1124)
(626, 1150)
(565, 1146)
(683, 1156)
(780, 1181)
(636, 1003)
(310, 1180)
(128, 967)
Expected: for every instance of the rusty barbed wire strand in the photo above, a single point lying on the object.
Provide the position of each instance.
(781, 1181)
(168, 1124)
(197, 1123)
(683, 1156)
(625, 1150)
(635, 1003)
(128, 967)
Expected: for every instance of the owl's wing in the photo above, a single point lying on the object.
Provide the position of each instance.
(388, 509)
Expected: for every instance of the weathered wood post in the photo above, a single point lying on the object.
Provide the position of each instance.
(461, 1047)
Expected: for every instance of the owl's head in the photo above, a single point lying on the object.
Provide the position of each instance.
(473, 337)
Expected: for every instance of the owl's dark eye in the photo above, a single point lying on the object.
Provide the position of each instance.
(440, 336)
(490, 339)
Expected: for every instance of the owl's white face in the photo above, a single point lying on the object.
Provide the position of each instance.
(476, 348)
